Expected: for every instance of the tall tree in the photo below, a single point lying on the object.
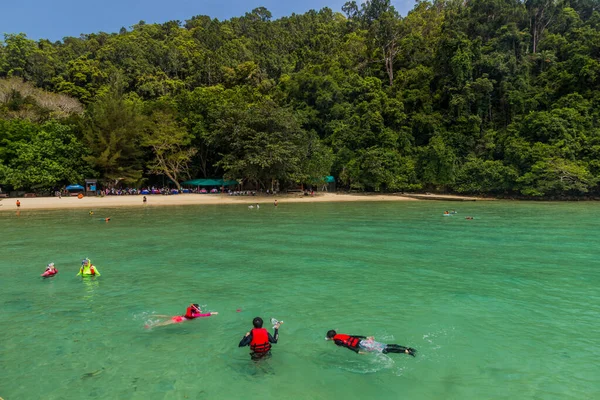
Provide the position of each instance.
(113, 128)
(169, 143)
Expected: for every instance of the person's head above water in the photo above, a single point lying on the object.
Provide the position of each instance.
(51, 265)
(257, 322)
(331, 334)
(195, 307)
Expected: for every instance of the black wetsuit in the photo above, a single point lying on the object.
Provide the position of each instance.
(247, 339)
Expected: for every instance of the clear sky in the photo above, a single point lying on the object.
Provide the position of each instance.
(55, 19)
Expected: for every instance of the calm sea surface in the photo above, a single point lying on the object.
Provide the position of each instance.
(504, 306)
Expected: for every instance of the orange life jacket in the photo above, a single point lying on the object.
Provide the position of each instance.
(347, 340)
(260, 340)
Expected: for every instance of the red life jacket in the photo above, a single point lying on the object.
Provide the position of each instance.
(347, 340)
(189, 313)
(260, 340)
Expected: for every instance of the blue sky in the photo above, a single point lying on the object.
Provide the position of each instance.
(55, 19)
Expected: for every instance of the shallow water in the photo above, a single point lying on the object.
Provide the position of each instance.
(503, 306)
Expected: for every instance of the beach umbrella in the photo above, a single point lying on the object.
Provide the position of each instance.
(75, 187)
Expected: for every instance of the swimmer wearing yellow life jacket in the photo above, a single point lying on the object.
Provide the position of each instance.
(88, 269)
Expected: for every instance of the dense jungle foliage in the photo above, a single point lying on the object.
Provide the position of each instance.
(496, 97)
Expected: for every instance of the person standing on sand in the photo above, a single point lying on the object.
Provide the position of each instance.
(145, 200)
(275, 203)
(18, 204)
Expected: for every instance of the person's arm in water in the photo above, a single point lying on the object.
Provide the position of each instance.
(275, 337)
(246, 340)
(205, 314)
(342, 344)
(354, 349)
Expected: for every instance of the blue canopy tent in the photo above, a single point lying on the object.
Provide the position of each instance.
(75, 187)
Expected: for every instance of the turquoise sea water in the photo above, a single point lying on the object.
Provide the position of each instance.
(505, 306)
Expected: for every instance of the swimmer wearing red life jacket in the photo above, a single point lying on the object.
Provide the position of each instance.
(192, 312)
(362, 344)
(50, 271)
(259, 339)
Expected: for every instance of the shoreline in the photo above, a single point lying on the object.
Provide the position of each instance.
(55, 203)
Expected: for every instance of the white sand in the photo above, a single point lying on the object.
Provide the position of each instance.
(40, 203)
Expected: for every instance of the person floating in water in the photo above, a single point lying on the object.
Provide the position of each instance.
(259, 339)
(192, 312)
(91, 213)
(366, 344)
(50, 271)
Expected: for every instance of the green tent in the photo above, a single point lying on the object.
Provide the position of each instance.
(326, 179)
(209, 182)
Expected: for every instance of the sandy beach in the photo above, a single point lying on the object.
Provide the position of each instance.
(49, 203)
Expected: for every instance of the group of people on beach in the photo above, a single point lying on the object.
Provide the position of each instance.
(260, 339)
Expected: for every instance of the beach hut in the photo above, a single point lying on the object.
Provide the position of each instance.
(90, 187)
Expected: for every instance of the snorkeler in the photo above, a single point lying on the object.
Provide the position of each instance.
(50, 271)
(358, 343)
(192, 312)
(259, 339)
(88, 269)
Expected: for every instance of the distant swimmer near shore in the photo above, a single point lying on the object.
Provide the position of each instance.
(362, 344)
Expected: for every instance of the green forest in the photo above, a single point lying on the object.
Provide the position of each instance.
(489, 97)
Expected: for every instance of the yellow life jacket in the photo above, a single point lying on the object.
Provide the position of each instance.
(86, 270)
